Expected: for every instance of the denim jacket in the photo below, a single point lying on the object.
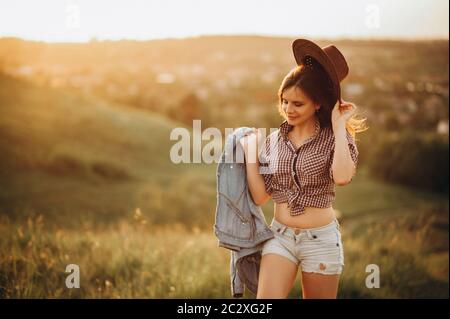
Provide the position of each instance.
(240, 224)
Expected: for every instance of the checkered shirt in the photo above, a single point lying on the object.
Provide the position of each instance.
(301, 177)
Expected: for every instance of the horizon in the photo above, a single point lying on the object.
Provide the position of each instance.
(193, 37)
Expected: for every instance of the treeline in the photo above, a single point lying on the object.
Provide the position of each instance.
(414, 159)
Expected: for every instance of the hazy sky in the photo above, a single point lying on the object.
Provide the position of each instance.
(80, 20)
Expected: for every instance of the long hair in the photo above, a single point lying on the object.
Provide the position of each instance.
(314, 81)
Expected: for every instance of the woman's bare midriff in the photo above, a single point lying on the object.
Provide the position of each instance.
(313, 216)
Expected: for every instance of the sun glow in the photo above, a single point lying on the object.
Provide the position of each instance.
(82, 20)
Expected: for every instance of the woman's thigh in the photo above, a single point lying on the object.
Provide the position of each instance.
(319, 286)
(276, 276)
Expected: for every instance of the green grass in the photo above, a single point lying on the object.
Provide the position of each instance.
(128, 260)
(136, 259)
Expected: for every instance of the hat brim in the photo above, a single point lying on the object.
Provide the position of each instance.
(303, 48)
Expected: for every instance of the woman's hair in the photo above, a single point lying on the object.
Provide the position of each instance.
(314, 81)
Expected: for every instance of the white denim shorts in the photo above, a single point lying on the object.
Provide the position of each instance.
(317, 250)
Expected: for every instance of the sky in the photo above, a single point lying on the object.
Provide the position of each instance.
(82, 20)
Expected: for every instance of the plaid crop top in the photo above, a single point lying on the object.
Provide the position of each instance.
(301, 177)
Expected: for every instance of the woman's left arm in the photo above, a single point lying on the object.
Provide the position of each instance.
(343, 165)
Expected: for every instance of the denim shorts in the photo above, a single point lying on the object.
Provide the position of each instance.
(317, 250)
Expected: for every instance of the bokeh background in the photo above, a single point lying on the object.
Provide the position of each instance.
(90, 91)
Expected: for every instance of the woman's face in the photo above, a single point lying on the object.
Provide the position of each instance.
(297, 107)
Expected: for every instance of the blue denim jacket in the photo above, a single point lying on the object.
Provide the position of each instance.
(240, 224)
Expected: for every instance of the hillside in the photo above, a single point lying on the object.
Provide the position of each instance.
(66, 153)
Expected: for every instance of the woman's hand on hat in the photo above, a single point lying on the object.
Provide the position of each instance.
(341, 113)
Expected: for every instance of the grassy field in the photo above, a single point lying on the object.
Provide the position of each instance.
(88, 183)
(133, 258)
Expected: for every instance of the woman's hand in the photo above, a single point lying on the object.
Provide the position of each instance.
(255, 181)
(250, 144)
(341, 113)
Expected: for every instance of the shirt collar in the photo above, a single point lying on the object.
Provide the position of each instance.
(285, 128)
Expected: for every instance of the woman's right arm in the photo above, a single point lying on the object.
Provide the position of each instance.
(254, 179)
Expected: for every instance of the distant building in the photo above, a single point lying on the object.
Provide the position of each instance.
(354, 89)
(442, 127)
(165, 78)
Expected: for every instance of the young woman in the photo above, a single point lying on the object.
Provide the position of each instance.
(314, 151)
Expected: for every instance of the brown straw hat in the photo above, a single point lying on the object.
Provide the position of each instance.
(329, 57)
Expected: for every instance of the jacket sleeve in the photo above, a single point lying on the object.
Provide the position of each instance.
(353, 152)
(237, 286)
